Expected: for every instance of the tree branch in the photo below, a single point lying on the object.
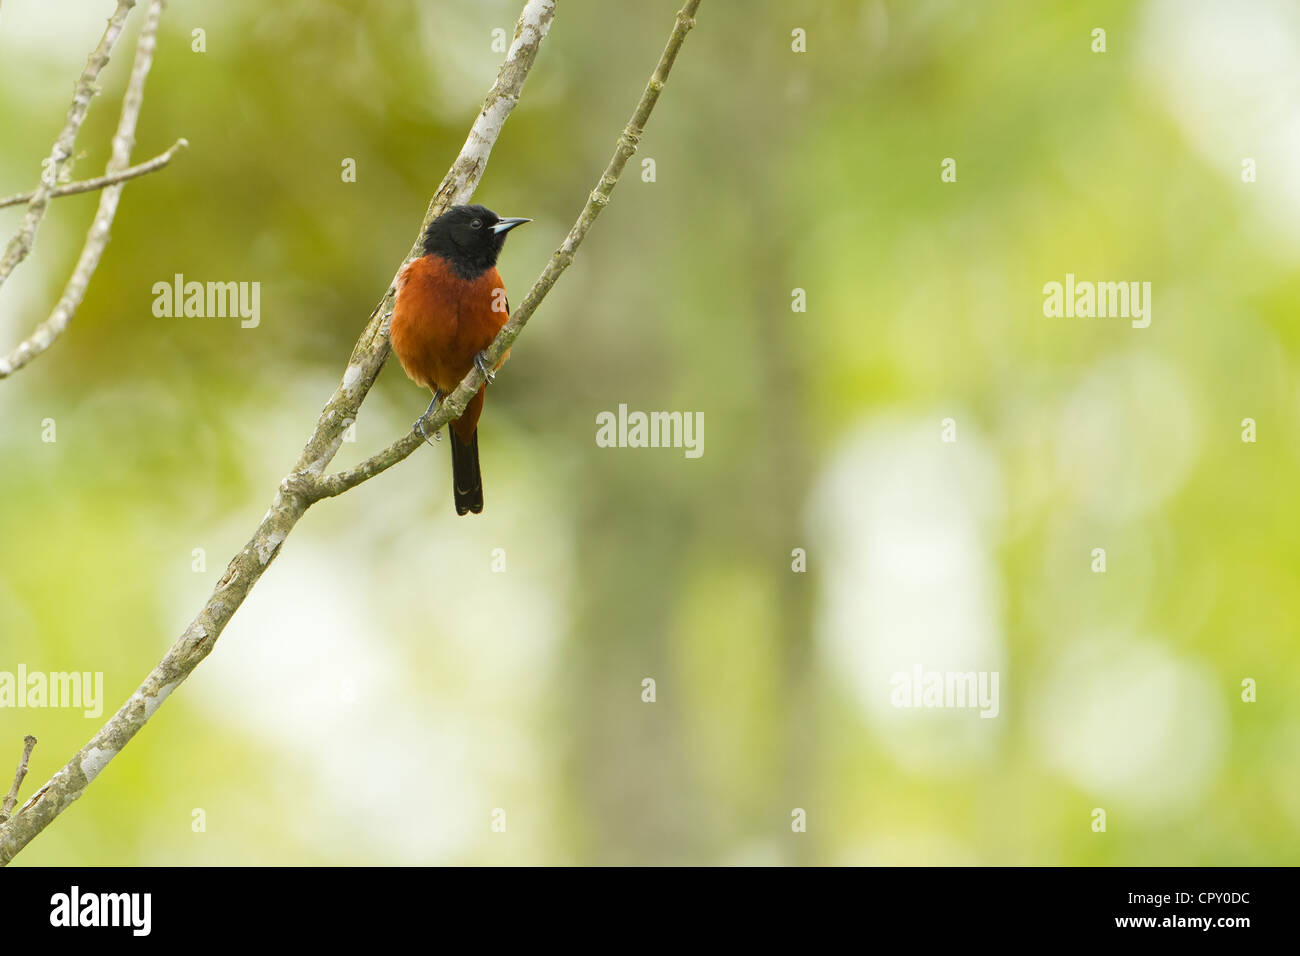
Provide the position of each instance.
(304, 485)
(197, 640)
(61, 154)
(97, 237)
(99, 182)
(29, 744)
(371, 350)
(328, 486)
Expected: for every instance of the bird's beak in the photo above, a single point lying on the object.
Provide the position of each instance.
(505, 225)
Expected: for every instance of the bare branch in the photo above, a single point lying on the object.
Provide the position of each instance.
(99, 182)
(197, 640)
(97, 238)
(451, 408)
(371, 350)
(304, 484)
(61, 154)
(6, 808)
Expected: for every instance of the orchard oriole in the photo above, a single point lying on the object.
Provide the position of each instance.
(449, 306)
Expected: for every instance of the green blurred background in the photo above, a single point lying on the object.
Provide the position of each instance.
(383, 690)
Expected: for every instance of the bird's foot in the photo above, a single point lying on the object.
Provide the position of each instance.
(480, 363)
(419, 422)
(419, 427)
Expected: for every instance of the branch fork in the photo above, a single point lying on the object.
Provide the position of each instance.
(307, 482)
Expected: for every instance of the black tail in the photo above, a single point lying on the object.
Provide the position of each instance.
(466, 480)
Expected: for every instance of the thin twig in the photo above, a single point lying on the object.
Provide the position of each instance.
(29, 744)
(61, 154)
(99, 182)
(44, 335)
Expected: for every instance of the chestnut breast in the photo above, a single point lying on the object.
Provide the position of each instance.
(441, 321)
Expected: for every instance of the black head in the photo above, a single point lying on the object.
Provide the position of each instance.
(469, 237)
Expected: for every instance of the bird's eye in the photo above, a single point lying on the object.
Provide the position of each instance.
(477, 224)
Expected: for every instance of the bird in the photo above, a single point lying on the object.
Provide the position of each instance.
(449, 305)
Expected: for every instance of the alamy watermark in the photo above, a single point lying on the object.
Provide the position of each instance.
(209, 300)
(946, 689)
(635, 429)
(1102, 300)
(133, 911)
(74, 689)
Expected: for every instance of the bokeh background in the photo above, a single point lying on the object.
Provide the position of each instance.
(383, 690)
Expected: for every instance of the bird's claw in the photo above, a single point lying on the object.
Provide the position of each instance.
(419, 422)
(419, 427)
(480, 363)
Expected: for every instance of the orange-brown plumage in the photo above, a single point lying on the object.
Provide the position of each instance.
(440, 322)
(449, 306)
